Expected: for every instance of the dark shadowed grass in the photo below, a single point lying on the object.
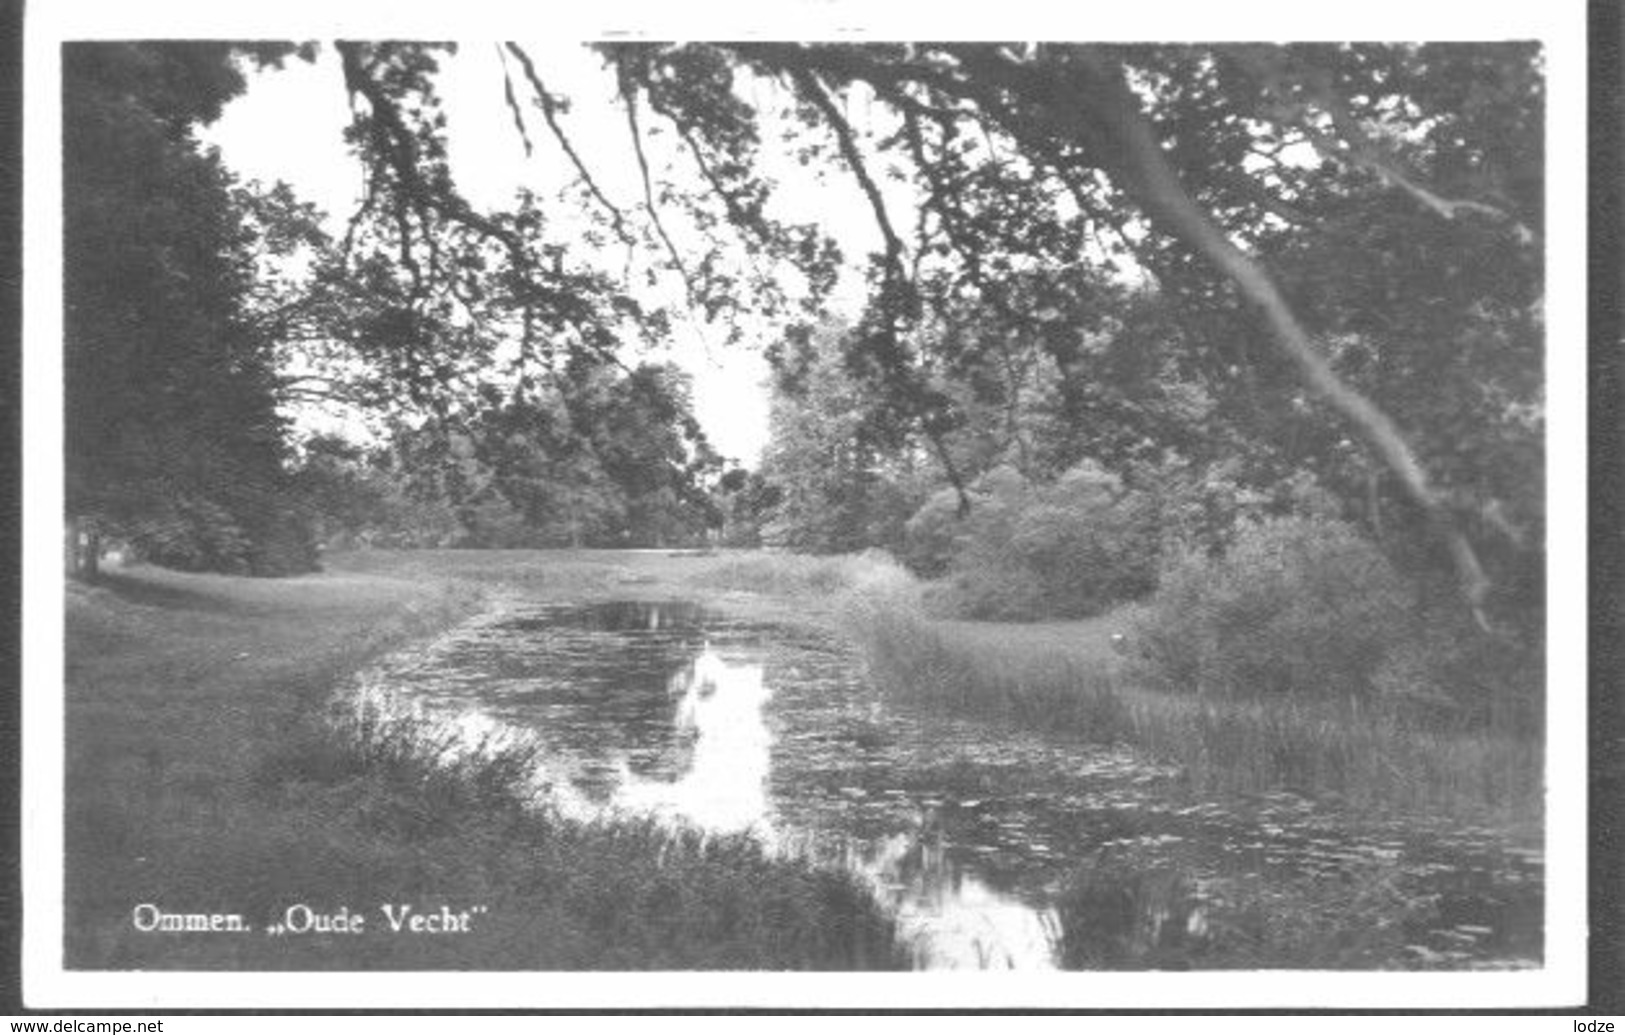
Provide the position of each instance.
(1117, 916)
(394, 811)
(204, 777)
(1065, 677)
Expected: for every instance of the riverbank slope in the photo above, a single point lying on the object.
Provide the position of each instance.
(202, 781)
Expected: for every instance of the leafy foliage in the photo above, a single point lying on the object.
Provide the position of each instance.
(840, 488)
(1295, 607)
(613, 459)
(173, 439)
(1069, 549)
(1229, 275)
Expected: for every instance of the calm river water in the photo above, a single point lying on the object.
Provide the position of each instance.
(969, 832)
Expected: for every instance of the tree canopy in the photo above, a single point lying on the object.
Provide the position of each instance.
(173, 436)
(1343, 233)
(1277, 265)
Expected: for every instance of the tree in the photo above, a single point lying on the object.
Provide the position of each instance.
(842, 484)
(1209, 168)
(599, 457)
(747, 501)
(173, 436)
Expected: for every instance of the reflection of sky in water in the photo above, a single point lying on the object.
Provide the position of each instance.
(965, 830)
(724, 785)
(948, 917)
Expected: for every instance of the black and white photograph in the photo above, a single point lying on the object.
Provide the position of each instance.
(720, 512)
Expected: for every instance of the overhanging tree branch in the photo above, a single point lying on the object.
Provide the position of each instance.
(549, 108)
(809, 87)
(1349, 144)
(1110, 114)
(424, 199)
(512, 102)
(630, 103)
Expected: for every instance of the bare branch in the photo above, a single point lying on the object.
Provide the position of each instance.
(1350, 145)
(814, 91)
(1113, 116)
(512, 102)
(368, 197)
(398, 150)
(549, 107)
(629, 98)
(320, 388)
(741, 220)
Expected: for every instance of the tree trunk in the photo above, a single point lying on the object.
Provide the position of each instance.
(1112, 113)
(84, 549)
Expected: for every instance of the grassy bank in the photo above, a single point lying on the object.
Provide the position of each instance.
(202, 779)
(1065, 677)
(1117, 916)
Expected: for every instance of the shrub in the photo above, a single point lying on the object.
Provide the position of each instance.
(931, 536)
(284, 543)
(192, 534)
(1070, 549)
(1450, 674)
(1123, 914)
(493, 523)
(1296, 606)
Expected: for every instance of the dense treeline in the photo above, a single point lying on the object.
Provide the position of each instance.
(1241, 569)
(618, 460)
(174, 442)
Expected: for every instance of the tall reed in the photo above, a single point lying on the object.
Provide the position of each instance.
(1371, 755)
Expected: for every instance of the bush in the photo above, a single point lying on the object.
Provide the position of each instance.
(1296, 606)
(1132, 914)
(192, 534)
(1452, 675)
(494, 523)
(1071, 549)
(284, 543)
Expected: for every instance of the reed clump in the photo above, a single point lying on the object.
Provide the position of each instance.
(1066, 677)
(1119, 916)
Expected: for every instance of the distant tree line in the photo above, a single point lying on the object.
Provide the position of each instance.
(617, 461)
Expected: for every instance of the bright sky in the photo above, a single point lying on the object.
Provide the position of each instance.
(289, 124)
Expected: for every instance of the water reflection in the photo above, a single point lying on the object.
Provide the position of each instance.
(969, 833)
(948, 917)
(951, 919)
(723, 783)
